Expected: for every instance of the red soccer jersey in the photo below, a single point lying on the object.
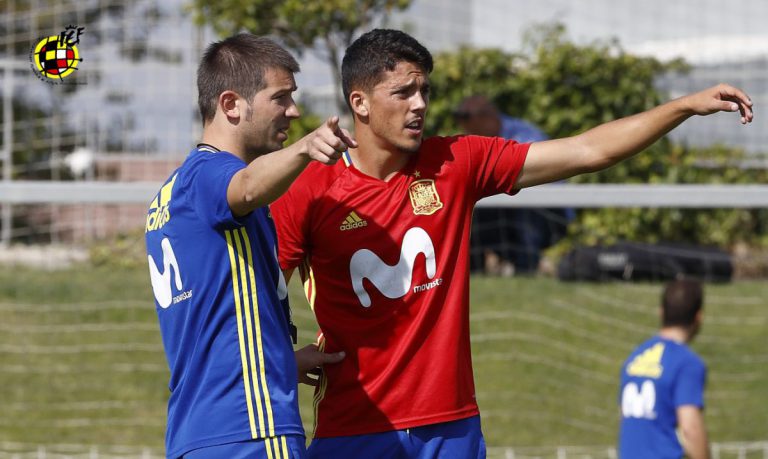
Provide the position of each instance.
(388, 279)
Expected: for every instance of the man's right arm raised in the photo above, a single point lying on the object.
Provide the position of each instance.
(267, 177)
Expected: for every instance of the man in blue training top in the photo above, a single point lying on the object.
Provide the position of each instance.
(508, 240)
(220, 296)
(662, 384)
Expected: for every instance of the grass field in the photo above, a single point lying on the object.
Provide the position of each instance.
(81, 359)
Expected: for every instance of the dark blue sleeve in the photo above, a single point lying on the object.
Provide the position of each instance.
(210, 185)
(689, 385)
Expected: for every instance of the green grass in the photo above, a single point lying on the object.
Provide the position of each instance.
(81, 359)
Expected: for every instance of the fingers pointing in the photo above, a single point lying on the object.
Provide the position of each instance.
(329, 141)
(332, 123)
(347, 138)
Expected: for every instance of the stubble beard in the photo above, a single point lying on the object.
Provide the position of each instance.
(411, 148)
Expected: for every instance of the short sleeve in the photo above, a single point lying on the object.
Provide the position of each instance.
(209, 186)
(291, 214)
(495, 164)
(689, 384)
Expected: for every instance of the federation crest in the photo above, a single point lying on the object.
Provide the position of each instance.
(56, 57)
(424, 197)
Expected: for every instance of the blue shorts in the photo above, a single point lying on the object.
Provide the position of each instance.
(460, 439)
(281, 447)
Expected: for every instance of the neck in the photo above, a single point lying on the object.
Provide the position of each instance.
(677, 334)
(224, 142)
(375, 158)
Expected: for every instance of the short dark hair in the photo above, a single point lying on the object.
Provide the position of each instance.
(681, 301)
(238, 64)
(376, 52)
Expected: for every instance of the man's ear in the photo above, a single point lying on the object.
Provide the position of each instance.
(229, 104)
(359, 102)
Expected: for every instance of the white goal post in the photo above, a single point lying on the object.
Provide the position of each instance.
(553, 195)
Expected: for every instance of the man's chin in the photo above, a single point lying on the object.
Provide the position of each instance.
(277, 144)
(411, 147)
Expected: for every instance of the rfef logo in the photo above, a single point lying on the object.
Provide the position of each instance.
(57, 57)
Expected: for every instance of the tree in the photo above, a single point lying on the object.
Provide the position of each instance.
(565, 89)
(50, 17)
(562, 87)
(301, 24)
(41, 120)
(470, 71)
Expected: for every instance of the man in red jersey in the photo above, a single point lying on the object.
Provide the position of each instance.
(382, 243)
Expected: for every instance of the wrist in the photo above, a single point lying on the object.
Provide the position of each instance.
(303, 147)
(684, 106)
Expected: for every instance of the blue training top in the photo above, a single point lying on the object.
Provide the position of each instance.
(657, 378)
(222, 305)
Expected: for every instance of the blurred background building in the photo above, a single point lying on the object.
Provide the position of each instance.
(134, 92)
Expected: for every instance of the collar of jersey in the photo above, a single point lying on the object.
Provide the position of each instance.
(347, 158)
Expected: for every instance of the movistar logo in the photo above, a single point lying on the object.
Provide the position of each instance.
(394, 281)
(353, 221)
(161, 281)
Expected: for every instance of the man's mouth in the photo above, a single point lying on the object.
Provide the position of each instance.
(415, 126)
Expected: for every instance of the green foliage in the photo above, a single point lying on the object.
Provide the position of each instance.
(471, 71)
(307, 123)
(31, 157)
(300, 24)
(676, 165)
(561, 87)
(573, 88)
(566, 89)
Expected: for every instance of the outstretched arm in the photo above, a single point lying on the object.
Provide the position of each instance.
(267, 177)
(609, 143)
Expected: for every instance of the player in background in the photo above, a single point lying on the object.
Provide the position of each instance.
(382, 243)
(662, 384)
(220, 295)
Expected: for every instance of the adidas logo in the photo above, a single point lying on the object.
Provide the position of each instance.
(648, 363)
(353, 221)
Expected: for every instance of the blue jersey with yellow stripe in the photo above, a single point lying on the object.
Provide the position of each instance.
(222, 306)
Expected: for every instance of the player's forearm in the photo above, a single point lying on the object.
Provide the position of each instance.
(267, 177)
(694, 432)
(609, 143)
(696, 445)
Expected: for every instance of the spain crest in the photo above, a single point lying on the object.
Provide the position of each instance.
(424, 197)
